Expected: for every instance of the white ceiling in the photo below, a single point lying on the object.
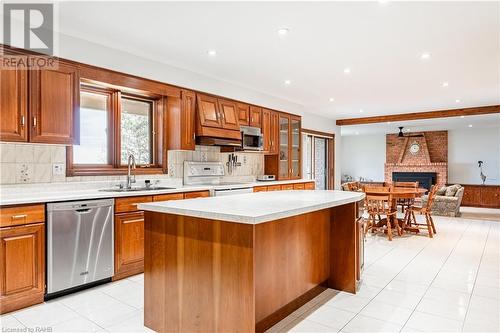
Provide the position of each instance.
(439, 124)
(380, 42)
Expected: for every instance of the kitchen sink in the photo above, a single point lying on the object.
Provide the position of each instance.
(134, 189)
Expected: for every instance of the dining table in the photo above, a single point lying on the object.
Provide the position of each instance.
(395, 194)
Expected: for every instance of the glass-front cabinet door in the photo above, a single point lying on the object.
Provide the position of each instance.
(284, 158)
(295, 148)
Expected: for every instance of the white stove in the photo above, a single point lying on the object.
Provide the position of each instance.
(211, 173)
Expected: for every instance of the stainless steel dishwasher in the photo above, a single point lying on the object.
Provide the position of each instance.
(80, 244)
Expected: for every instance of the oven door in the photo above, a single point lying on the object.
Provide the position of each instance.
(252, 142)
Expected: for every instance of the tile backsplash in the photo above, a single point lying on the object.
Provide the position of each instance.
(37, 163)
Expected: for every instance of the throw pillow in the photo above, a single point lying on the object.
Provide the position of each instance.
(441, 191)
(451, 190)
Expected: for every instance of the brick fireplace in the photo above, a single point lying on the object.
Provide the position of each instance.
(431, 157)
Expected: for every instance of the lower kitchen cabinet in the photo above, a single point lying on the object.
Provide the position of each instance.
(295, 186)
(22, 263)
(129, 244)
(197, 194)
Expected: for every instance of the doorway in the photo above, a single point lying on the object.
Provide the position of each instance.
(318, 158)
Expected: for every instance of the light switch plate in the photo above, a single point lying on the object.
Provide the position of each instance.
(58, 169)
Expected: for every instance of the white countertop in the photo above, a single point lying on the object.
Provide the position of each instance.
(42, 193)
(255, 208)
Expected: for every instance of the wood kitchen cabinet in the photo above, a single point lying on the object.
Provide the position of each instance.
(54, 97)
(270, 131)
(181, 115)
(14, 105)
(243, 113)
(255, 116)
(274, 133)
(197, 194)
(129, 233)
(220, 113)
(229, 115)
(208, 111)
(129, 244)
(287, 163)
(266, 130)
(188, 118)
(22, 263)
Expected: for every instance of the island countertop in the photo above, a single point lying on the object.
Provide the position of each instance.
(255, 208)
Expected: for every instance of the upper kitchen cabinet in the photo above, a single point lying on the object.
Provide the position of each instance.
(181, 114)
(228, 114)
(270, 131)
(217, 118)
(295, 144)
(208, 110)
(188, 120)
(54, 105)
(255, 116)
(243, 114)
(287, 163)
(14, 117)
(266, 129)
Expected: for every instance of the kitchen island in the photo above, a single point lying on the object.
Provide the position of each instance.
(242, 263)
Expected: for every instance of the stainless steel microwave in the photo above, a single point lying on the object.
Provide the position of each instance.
(251, 138)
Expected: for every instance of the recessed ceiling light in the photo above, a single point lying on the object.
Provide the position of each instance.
(331, 99)
(470, 125)
(462, 117)
(212, 52)
(283, 31)
(425, 55)
(287, 82)
(445, 84)
(347, 70)
(457, 101)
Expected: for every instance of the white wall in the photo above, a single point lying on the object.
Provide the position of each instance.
(466, 147)
(363, 156)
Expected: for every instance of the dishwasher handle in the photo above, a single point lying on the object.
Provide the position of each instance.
(83, 211)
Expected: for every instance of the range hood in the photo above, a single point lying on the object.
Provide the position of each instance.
(214, 141)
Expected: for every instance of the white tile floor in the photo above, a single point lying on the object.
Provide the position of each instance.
(413, 284)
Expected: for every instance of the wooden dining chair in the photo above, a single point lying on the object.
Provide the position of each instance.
(403, 202)
(378, 205)
(424, 210)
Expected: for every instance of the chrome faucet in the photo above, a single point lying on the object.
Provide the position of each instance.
(131, 165)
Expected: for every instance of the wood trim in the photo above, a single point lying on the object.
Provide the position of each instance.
(318, 133)
(331, 163)
(473, 111)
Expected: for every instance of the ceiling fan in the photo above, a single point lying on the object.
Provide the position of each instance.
(402, 135)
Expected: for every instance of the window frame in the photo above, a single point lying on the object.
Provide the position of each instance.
(114, 166)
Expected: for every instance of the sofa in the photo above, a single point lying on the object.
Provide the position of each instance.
(447, 201)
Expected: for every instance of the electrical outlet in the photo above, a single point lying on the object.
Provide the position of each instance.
(58, 169)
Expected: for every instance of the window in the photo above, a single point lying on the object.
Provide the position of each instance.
(94, 114)
(114, 124)
(136, 125)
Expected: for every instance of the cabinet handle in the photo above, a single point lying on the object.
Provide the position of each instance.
(22, 121)
(16, 217)
(133, 221)
(194, 136)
